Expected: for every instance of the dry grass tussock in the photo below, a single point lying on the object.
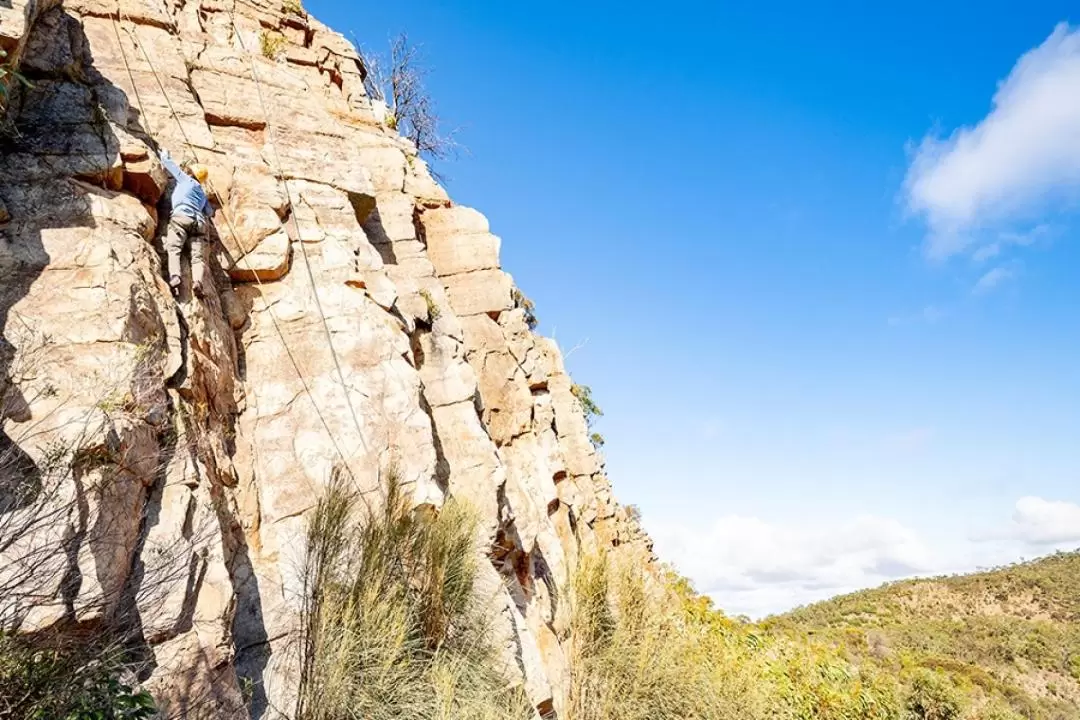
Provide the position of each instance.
(392, 625)
(636, 655)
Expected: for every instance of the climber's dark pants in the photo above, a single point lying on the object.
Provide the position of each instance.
(181, 229)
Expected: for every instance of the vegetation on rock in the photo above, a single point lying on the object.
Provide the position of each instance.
(432, 307)
(83, 667)
(271, 44)
(522, 301)
(67, 681)
(584, 395)
(7, 70)
(398, 80)
(392, 624)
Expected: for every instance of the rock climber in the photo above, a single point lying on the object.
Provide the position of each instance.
(189, 219)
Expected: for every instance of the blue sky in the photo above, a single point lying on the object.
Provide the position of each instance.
(819, 263)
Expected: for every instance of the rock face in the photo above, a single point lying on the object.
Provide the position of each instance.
(357, 318)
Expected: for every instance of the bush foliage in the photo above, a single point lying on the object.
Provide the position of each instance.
(64, 679)
(993, 646)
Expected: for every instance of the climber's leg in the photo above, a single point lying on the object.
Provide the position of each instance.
(198, 237)
(174, 245)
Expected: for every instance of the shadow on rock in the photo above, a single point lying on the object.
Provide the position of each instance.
(77, 168)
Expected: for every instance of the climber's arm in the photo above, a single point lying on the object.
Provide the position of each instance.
(170, 165)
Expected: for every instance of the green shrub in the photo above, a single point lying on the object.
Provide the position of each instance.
(932, 696)
(921, 650)
(651, 647)
(584, 395)
(272, 44)
(292, 7)
(996, 711)
(67, 681)
(391, 626)
(814, 682)
(523, 302)
(432, 307)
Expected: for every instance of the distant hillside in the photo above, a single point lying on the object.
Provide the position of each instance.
(1007, 639)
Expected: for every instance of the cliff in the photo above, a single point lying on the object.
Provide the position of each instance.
(356, 318)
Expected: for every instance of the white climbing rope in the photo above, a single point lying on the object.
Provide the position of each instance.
(133, 33)
(296, 227)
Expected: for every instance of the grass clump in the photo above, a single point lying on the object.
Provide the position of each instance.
(272, 44)
(433, 310)
(292, 7)
(392, 625)
(634, 656)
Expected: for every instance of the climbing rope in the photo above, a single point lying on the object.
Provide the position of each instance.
(296, 228)
(133, 34)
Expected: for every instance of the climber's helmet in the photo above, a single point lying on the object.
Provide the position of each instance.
(199, 172)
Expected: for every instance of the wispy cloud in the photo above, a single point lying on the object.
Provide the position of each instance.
(1011, 239)
(1025, 152)
(991, 280)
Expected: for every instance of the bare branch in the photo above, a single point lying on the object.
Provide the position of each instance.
(398, 81)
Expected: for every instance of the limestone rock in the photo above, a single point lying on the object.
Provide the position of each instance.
(483, 291)
(458, 241)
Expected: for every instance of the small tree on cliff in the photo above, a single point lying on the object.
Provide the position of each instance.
(397, 79)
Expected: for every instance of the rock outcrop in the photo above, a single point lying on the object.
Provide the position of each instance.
(357, 319)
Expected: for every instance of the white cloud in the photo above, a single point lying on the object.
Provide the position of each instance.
(1023, 153)
(995, 248)
(755, 567)
(991, 280)
(1046, 522)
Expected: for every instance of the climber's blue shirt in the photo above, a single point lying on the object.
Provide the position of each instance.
(188, 197)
